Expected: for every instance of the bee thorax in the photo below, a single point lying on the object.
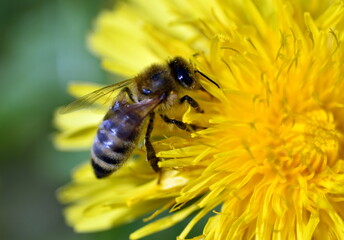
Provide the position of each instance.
(171, 100)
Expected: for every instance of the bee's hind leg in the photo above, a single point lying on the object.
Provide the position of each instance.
(151, 156)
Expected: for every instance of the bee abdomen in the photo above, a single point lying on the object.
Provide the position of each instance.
(111, 148)
(105, 161)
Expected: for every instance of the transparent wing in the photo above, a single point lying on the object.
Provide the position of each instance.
(92, 98)
(142, 108)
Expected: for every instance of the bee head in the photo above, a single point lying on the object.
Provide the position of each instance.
(183, 73)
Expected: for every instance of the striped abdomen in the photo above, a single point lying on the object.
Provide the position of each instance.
(118, 134)
(116, 139)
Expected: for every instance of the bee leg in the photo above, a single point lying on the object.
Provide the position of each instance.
(151, 156)
(193, 103)
(127, 91)
(179, 124)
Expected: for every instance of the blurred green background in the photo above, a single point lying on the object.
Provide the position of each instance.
(42, 48)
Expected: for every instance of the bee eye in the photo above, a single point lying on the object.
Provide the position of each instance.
(184, 77)
(181, 72)
(146, 91)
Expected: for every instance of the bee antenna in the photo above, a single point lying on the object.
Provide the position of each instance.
(206, 77)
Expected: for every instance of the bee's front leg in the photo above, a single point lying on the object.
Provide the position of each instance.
(127, 91)
(193, 103)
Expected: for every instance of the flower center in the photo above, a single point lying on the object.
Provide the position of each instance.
(306, 148)
(320, 137)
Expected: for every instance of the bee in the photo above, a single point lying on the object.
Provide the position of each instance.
(154, 91)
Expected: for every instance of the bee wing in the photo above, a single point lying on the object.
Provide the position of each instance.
(142, 108)
(90, 99)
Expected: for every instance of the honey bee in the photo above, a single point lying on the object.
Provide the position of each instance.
(154, 91)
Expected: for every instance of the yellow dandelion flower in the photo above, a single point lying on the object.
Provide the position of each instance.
(270, 157)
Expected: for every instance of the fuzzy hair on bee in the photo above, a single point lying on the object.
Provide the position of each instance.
(156, 90)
